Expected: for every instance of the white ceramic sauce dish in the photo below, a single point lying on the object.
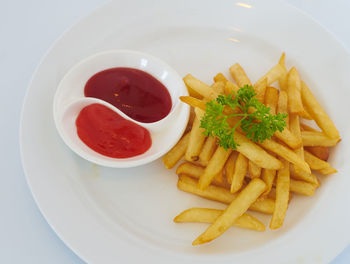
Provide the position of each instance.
(69, 100)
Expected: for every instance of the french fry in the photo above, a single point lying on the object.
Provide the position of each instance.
(176, 153)
(294, 125)
(207, 151)
(195, 143)
(254, 170)
(313, 139)
(272, 195)
(273, 74)
(190, 120)
(222, 195)
(268, 176)
(293, 89)
(220, 78)
(327, 171)
(239, 173)
(282, 106)
(282, 81)
(288, 138)
(271, 99)
(317, 113)
(206, 215)
(230, 166)
(315, 163)
(320, 152)
(239, 75)
(195, 171)
(194, 102)
(301, 187)
(215, 165)
(282, 196)
(199, 87)
(285, 153)
(218, 87)
(230, 88)
(302, 175)
(260, 89)
(255, 153)
(236, 209)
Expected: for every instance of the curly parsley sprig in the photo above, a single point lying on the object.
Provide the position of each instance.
(258, 124)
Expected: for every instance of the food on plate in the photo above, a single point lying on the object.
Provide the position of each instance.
(236, 209)
(251, 148)
(109, 134)
(206, 215)
(137, 94)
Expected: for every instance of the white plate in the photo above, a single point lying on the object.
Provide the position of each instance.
(125, 215)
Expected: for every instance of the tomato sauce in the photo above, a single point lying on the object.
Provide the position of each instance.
(109, 134)
(136, 93)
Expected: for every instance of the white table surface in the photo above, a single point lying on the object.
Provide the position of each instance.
(27, 30)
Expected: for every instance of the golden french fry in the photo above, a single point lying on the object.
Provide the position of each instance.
(194, 102)
(272, 194)
(320, 152)
(313, 139)
(288, 138)
(239, 173)
(195, 171)
(293, 89)
(236, 209)
(190, 120)
(200, 87)
(294, 126)
(239, 75)
(207, 151)
(285, 153)
(282, 106)
(176, 153)
(230, 88)
(222, 195)
(282, 81)
(206, 215)
(255, 153)
(260, 89)
(218, 87)
(315, 163)
(230, 166)
(268, 176)
(317, 113)
(253, 170)
(215, 165)
(282, 196)
(271, 99)
(301, 187)
(220, 78)
(273, 74)
(302, 175)
(196, 140)
(327, 171)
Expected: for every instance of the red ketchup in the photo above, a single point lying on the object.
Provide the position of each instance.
(136, 93)
(109, 134)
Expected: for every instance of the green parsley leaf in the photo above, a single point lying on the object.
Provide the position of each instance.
(258, 124)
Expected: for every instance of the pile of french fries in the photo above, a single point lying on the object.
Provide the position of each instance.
(256, 176)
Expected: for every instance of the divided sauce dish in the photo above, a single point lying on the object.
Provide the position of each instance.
(69, 100)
